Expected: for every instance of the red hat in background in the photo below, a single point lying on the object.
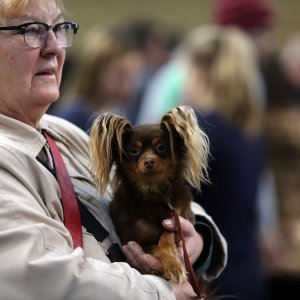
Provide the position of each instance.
(246, 14)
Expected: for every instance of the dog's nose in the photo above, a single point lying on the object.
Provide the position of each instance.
(149, 163)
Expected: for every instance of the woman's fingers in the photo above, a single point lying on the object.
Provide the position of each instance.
(137, 258)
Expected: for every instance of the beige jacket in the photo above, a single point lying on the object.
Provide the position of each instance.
(36, 256)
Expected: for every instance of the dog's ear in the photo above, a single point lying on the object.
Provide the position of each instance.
(183, 121)
(106, 146)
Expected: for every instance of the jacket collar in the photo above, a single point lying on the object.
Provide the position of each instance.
(29, 139)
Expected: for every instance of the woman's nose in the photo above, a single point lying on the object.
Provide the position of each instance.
(51, 44)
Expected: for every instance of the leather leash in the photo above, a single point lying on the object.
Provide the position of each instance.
(191, 274)
(72, 219)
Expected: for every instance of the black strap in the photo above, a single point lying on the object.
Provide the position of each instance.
(113, 251)
(46, 166)
(94, 227)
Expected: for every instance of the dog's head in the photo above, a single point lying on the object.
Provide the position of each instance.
(151, 157)
(151, 154)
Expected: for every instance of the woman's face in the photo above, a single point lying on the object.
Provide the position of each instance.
(30, 78)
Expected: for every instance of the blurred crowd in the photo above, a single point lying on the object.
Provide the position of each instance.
(246, 95)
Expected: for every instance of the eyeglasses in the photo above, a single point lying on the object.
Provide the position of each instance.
(36, 33)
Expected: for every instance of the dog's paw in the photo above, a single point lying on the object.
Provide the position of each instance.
(175, 272)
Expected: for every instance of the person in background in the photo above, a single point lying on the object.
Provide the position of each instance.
(39, 257)
(290, 64)
(164, 90)
(283, 133)
(257, 18)
(223, 86)
(155, 42)
(105, 78)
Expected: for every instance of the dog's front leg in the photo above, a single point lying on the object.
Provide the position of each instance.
(166, 251)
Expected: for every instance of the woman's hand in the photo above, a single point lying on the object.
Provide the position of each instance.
(138, 259)
(183, 291)
(147, 263)
(193, 240)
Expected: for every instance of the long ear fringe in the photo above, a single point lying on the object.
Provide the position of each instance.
(184, 121)
(106, 135)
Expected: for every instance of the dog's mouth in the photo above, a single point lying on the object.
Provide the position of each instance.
(149, 175)
(152, 177)
(149, 172)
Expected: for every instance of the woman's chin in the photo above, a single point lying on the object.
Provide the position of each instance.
(48, 97)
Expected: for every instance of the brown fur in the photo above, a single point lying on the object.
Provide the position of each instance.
(149, 167)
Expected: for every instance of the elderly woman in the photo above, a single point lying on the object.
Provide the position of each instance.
(39, 257)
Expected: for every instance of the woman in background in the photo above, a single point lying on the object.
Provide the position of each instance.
(105, 78)
(283, 132)
(224, 87)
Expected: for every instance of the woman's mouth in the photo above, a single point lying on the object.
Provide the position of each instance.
(45, 73)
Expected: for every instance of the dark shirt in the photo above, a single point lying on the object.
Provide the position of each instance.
(235, 167)
(76, 112)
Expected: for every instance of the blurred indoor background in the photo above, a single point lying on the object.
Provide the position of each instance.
(179, 15)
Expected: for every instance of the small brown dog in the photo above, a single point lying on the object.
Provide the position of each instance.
(149, 168)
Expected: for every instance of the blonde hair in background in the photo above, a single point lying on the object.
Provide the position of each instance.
(10, 9)
(233, 81)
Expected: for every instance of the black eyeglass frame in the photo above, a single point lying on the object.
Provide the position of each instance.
(22, 29)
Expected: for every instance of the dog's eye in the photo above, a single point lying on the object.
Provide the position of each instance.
(133, 151)
(161, 148)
